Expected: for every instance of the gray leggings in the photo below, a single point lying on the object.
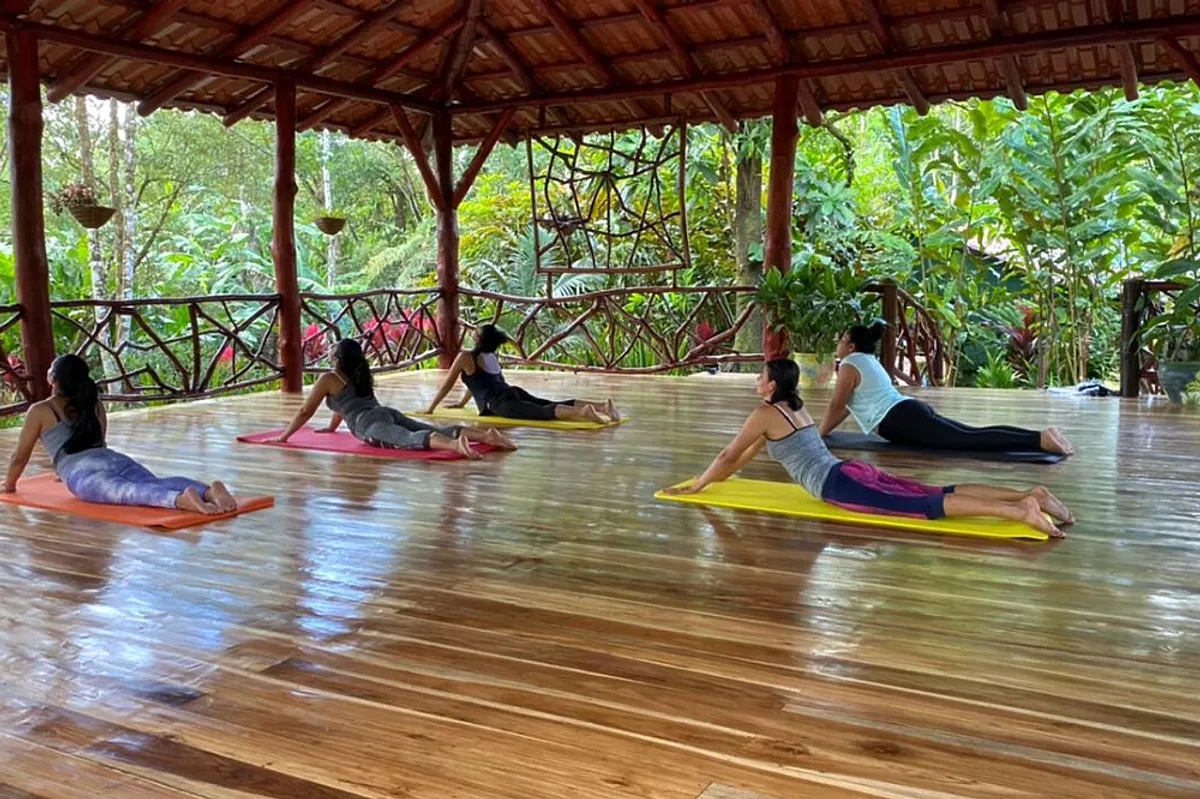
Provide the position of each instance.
(387, 428)
(104, 476)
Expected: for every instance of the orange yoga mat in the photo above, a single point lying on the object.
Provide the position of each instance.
(47, 493)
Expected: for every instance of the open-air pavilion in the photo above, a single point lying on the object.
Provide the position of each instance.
(536, 625)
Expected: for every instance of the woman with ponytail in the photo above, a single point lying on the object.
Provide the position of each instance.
(865, 391)
(349, 391)
(72, 425)
(787, 431)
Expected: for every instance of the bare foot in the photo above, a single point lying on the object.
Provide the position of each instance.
(592, 415)
(219, 494)
(1054, 441)
(463, 446)
(610, 410)
(498, 439)
(1053, 505)
(190, 500)
(1034, 517)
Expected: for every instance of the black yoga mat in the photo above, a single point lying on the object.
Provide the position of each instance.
(844, 439)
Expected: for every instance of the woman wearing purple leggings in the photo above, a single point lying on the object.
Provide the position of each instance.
(72, 425)
(791, 438)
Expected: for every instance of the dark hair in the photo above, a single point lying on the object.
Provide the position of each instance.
(354, 366)
(489, 339)
(866, 338)
(74, 383)
(785, 374)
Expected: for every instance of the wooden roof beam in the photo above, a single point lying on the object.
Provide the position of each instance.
(997, 26)
(1091, 36)
(781, 52)
(92, 64)
(1129, 71)
(388, 70)
(1185, 58)
(133, 51)
(684, 59)
(413, 141)
(485, 148)
(907, 80)
(362, 30)
(458, 56)
(252, 39)
(517, 66)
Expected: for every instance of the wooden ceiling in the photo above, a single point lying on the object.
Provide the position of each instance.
(584, 65)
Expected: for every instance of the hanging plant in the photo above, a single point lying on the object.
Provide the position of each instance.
(330, 225)
(81, 202)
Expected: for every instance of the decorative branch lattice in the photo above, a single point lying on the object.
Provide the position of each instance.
(642, 330)
(1152, 299)
(14, 377)
(170, 349)
(396, 327)
(614, 205)
(918, 346)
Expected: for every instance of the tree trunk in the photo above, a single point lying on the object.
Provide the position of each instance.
(129, 260)
(747, 232)
(114, 181)
(87, 167)
(335, 242)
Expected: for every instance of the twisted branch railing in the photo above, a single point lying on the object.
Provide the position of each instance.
(1141, 301)
(14, 378)
(395, 326)
(912, 346)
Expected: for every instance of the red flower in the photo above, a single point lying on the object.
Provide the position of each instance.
(704, 331)
(315, 344)
(226, 355)
(15, 374)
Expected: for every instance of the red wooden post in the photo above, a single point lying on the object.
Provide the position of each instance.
(778, 245)
(29, 233)
(891, 315)
(283, 243)
(447, 239)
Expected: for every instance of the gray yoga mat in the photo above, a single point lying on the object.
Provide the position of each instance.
(844, 439)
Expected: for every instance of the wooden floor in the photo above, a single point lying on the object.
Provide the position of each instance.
(536, 625)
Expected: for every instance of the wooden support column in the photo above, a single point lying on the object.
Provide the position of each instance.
(29, 234)
(1131, 342)
(778, 245)
(447, 238)
(891, 315)
(283, 243)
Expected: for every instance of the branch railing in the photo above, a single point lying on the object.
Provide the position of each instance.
(1141, 301)
(14, 377)
(628, 330)
(912, 345)
(396, 327)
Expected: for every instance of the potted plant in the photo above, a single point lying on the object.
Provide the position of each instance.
(81, 202)
(812, 304)
(1177, 332)
(330, 225)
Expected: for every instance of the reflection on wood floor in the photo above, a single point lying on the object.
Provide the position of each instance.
(536, 625)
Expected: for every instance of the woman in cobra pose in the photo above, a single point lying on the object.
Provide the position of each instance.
(787, 431)
(72, 425)
(865, 391)
(349, 391)
(484, 380)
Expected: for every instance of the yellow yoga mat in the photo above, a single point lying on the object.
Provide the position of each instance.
(790, 499)
(471, 415)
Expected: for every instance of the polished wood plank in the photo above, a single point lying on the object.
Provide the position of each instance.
(535, 625)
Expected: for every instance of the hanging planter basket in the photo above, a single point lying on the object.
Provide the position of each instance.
(329, 225)
(92, 216)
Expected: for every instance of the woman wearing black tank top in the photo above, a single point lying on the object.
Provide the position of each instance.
(483, 379)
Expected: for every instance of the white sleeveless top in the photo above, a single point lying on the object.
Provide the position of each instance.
(875, 395)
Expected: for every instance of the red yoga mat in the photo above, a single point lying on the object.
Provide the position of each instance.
(307, 438)
(46, 493)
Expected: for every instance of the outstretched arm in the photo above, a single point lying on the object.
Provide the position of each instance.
(312, 402)
(333, 425)
(745, 445)
(456, 368)
(463, 400)
(34, 423)
(837, 411)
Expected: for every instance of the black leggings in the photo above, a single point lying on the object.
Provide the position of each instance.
(517, 403)
(913, 423)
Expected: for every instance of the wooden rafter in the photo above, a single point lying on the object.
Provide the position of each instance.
(520, 70)
(997, 27)
(92, 64)
(413, 141)
(1184, 57)
(684, 59)
(481, 154)
(133, 51)
(1117, 12)
(907, 80)
(362, 30)
(1029, 43)
(460, 53)
(782, 54)
(282, 16)
(389, 69)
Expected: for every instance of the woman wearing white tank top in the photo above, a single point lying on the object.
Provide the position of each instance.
(864, 390)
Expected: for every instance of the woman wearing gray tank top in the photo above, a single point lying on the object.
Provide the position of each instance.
(791, 438)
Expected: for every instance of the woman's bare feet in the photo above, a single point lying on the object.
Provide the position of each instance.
(462, 445)
(1054, 441)
(498, 439)
(610, 410)
(1034, 517)
(1052, 505)
(190, 500)
(592, 415)
(220, 496)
